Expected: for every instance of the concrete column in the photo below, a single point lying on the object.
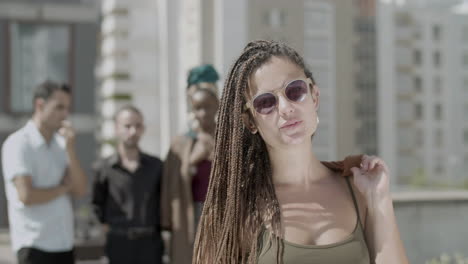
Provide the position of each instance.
(231, 33)
(386, 78)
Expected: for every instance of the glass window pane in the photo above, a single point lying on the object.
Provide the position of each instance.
(38, 53)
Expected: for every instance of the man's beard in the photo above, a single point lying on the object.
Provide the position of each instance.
(130, 144)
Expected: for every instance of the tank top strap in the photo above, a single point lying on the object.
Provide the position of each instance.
(354, 200)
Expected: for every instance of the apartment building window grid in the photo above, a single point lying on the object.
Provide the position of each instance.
(436, 102)
(38, 51)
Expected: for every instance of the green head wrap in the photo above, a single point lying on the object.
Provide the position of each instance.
(203, 73)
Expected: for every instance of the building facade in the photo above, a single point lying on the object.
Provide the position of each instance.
(53, 40)
(335, 37)
(423, 96)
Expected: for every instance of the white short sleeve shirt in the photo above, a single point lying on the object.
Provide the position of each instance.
(47, 226)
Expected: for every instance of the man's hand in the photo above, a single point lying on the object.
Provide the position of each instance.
(68, 133)
(77, 178)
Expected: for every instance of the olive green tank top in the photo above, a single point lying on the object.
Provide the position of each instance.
(353, 249)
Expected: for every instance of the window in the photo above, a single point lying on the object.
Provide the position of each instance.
(436, 57)
(436, 32)
(438, 112)
(417, 84)
(417, 57)
(418, 111)
(37, 52)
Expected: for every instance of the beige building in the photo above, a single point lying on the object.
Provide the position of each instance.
(148, 47)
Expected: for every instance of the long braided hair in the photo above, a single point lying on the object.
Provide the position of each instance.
(241, 197)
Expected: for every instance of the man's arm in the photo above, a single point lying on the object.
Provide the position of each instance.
(17, 170)
(78, 178)
(29, 195)
(171, 167)
(99, 194)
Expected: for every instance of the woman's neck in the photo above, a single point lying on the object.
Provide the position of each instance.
(296, 165)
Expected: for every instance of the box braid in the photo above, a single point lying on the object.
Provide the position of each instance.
(241, 198)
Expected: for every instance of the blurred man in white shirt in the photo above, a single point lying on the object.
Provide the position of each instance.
(42, 172)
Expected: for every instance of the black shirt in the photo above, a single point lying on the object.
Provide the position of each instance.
(125, 199)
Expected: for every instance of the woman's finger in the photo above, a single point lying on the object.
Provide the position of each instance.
(364, 162)
(373, 161)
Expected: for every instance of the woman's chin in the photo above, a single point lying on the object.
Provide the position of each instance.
(295, 139)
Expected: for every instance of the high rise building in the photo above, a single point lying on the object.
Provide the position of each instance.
(423, 102)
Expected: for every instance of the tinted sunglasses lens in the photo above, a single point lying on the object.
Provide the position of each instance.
(296, 91)
(265, 103)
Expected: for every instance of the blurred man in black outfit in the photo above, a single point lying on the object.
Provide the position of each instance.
(126, 195)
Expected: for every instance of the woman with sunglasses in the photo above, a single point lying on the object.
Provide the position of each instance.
(270, 200)
(188, 164)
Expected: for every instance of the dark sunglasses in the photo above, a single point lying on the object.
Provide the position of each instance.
(265, 103)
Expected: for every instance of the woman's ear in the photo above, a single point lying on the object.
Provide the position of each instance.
(249, 123)
(315, 96)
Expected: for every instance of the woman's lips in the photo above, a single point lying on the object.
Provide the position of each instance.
(291, 124)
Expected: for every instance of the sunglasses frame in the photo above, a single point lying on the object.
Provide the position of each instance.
(249, 104)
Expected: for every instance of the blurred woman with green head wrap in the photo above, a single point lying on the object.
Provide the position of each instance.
(188, 165)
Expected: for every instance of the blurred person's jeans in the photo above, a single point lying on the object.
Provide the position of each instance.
(37, 256)
(121, 249)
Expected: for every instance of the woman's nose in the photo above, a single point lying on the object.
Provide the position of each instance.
(285, 107)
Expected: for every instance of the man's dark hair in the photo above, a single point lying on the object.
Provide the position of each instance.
(47, 88)
(128, 107)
